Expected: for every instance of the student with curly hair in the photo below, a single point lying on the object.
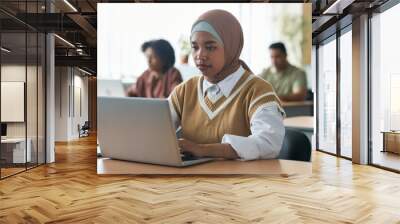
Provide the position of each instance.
(161, 77)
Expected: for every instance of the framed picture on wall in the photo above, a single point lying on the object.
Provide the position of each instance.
(12, 101)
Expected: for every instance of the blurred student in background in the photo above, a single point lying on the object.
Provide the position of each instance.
(289, 82)
(161, 77)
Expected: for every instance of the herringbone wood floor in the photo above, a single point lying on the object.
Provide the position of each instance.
(69, 191)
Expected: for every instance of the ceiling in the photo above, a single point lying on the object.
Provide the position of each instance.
(330, 15)
(76, 25)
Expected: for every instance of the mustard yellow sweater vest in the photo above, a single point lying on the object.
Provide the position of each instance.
(205, 122)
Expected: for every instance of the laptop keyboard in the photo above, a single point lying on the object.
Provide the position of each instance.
(186, 156)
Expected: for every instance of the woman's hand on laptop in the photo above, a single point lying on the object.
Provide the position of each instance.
(191, 147)
(218, 150)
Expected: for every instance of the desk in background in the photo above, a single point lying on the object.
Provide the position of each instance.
(298, 108)
(304, 124)
(13, 150)
(391, 141)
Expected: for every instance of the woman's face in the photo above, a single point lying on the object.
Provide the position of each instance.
(208, 55)
(153, 60)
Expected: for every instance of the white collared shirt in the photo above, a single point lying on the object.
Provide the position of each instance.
(266, 124)
(225, 86)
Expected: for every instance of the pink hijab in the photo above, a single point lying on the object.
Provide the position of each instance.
(230, 32)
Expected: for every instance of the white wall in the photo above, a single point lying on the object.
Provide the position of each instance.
(69, 85)
(62, 81)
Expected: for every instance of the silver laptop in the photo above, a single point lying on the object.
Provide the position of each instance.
(140, 130)
(110, 87)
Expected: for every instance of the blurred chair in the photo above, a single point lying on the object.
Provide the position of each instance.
(84, 130)
(309, 95)
(296, 146)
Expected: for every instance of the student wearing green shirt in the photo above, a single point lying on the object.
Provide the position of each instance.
(289, 82)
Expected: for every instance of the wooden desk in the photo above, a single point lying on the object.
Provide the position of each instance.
(297, 103)
(298, 108)
(305, 123)
(107, 166)
(391, 141)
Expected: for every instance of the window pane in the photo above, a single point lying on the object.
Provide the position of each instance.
(385, 88)
(31, 100)
(346, 94)
(13, 85)
(41, 98)
(327, 97)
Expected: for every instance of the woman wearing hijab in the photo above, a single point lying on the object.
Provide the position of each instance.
(227, 112)
(161, 77)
